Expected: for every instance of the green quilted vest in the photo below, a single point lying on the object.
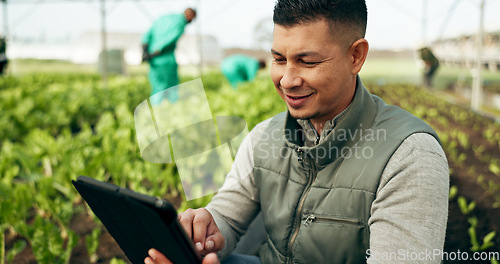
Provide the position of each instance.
(316, 201)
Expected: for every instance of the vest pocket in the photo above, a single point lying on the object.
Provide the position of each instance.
(331, 239)
(310, 218)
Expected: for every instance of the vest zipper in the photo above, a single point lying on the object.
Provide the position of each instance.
(311, 218)
(298, 212)
(300, 155)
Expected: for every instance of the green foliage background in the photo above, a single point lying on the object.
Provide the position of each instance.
(58, 126)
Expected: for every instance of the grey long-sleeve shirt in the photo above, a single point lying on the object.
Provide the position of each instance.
(408, 216)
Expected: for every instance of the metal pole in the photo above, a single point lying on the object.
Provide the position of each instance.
(477, 85)
(200, 47)
(5, 20)
(424, 23)
(104, 44)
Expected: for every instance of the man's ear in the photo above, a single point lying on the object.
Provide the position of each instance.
(359, 51)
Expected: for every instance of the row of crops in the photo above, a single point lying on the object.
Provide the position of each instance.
(472, 145)
(471, 141)
(56, 127)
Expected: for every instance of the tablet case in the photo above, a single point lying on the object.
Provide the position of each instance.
(138, 222)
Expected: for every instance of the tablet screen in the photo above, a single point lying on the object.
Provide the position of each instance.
(138, 222)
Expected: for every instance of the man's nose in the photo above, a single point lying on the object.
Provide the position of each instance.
(291, 78)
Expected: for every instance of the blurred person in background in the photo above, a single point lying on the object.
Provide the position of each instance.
(340, 177)
(3, 55)
(159, 44)
(240, 68)
(431, 64)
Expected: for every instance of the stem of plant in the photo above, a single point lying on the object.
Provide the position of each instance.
(2, 245)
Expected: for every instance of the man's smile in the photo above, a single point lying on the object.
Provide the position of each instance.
(297, 101)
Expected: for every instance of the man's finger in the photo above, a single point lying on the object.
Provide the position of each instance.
(214, 243)
(186, 221)
(211, 259)
(156, 257)
(201, 221)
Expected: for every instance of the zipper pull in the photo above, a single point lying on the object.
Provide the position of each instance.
(309, 219)
(299, 154)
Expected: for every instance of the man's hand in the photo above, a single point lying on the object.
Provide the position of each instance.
(146, 57)
(145, 53)
(200, 226)
(155, 54)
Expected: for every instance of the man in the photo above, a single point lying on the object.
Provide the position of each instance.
(3, 55)
(341, 177)
(240, 68)
(431, 65)
(158, 49)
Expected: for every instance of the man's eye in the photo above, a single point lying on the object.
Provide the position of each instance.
(280, 60)
(310, 62)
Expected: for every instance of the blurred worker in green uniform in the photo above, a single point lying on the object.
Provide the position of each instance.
(3, 55)
(158, 49)
(431, 65)
(240, 68)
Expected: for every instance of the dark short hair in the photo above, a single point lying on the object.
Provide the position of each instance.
(350, 13)
(262, 64)
(192, 10)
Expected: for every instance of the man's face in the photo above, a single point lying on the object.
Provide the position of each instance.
(311, 71)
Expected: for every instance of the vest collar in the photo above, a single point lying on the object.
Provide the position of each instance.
(344, 136)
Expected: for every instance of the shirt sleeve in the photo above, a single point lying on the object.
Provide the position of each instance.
(236, 203)
(171, 32)
(409, 215)
(252, 66)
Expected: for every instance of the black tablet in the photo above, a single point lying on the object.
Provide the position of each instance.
(138, 222)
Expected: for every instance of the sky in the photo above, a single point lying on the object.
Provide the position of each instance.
(392, 24)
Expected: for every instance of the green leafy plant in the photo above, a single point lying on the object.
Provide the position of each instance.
(2, 245)
(453, 192)
(92, 243)
(487, 240)
(16, 249)
(47, 243)
(465, 207)
(495, 168)
(117, 261)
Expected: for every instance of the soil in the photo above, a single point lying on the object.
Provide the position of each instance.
(82, 224)
(457, 237)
